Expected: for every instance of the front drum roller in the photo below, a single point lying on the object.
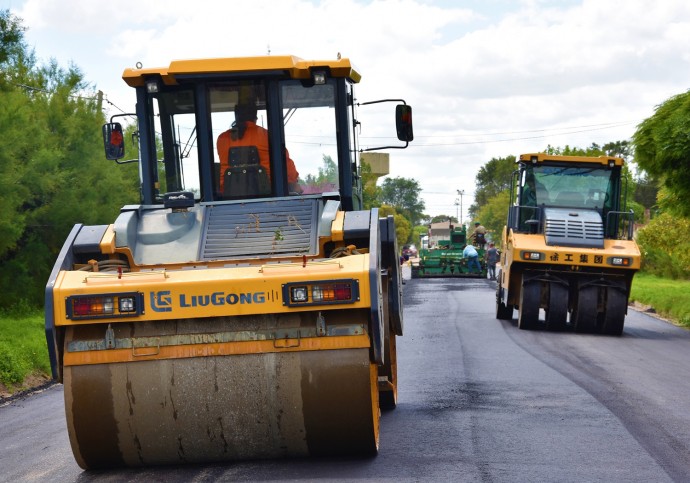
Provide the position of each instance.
(219, 408)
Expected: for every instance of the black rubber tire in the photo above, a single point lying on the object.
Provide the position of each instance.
(557, 308)
(585, 312)
(503, 311)
(614, 316)
(529, 305)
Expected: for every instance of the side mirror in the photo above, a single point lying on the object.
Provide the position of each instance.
(403, 122)
(113, 141)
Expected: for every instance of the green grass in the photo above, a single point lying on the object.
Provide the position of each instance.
(669, 298)
(23, 349)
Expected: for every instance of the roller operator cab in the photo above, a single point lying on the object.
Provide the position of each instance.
(247, 306)
(568, 245)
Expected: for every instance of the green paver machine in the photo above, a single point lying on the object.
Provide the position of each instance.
(445, 259)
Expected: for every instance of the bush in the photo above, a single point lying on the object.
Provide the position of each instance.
(665, 246)
(23, 349)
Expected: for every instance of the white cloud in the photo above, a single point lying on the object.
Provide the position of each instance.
(483, 82)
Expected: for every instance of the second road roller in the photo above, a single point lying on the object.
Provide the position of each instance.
(568, 247)
(248, 305)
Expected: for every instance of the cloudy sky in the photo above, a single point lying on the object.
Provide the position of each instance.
(486, 78)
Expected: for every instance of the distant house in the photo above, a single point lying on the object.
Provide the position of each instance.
(438, 231)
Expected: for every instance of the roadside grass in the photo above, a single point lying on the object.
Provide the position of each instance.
(669, 298)
(23, 350)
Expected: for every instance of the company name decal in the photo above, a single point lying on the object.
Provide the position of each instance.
(162, 301)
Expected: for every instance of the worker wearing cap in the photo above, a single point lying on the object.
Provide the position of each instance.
(478, 236)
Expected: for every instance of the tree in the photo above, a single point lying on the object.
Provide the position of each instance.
(662, 149)
(52, 171)
(403, 194)
(370, 192)
(403, 229)
(442, 218)
(11, 36)
(327, 177)
(621, 149)
(492, 178)
(494, 213)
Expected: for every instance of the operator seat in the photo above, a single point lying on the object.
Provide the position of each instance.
(245, 177)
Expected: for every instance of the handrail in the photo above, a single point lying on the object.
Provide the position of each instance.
(630, 215)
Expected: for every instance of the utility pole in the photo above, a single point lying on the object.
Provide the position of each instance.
(460, 193)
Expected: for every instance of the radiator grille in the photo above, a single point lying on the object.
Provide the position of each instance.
(573, 228)
(260, 229)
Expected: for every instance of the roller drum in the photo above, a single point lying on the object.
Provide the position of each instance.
(218, 408)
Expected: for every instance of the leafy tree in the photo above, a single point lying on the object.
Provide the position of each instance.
(442, 218)
(11, 36)
(52, 171)
(665, 246)
(621, 149)
(662, 149)
(419, 231)
(403, 194)
(327, 177)
(492, 178)
(494, 213)
(646, 190)
(370, 192)
(403, 229)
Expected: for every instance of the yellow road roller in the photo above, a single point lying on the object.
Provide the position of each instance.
(247, 307)
(568, 247)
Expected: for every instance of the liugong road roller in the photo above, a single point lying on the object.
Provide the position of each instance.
(568, 247)
(247, 307)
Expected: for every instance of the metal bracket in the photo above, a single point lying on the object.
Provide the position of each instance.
(320, 325)
(109, 338)
(284, 339)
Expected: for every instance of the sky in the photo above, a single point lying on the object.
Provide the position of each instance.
(485, 78)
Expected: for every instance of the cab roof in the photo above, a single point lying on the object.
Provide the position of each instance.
(543, 157)
(294, 67)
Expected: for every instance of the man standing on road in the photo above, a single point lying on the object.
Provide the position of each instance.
(470, 253)
(492, 257)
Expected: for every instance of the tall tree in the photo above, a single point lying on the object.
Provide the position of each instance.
(492, 178)
(403, 229)
(327, 176)
(662, 149)
(493, 215)
(403, 194)
(52, 171)
(370, 192)
(11, 36)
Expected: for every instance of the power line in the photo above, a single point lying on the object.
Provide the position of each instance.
(459, 143)
(604, 125)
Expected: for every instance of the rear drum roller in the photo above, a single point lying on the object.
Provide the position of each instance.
(614, 316)
(388, 371)
(530, 298)
(557, 308)
(220, 408)
(585, 311)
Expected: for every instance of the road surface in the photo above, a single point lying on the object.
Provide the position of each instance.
(479, 400)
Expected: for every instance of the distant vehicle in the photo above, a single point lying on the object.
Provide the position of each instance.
(568, 246)
(425, 242)
(446, 259)
(409, 251)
